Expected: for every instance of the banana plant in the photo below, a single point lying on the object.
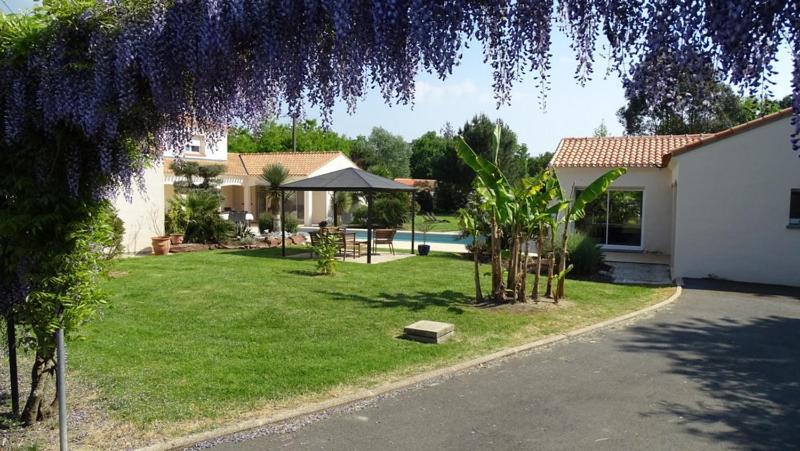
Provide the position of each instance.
(493, 186)
(468, 224)
(577, 210)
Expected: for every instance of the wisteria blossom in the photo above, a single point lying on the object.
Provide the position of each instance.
(118, 73)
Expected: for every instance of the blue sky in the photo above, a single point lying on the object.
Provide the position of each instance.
(570, 110)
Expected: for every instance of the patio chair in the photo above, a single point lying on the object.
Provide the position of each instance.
(314, 243)
(348, 244)
(385, 237)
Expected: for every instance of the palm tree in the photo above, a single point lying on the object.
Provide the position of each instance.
(341, 202)
(275, 175)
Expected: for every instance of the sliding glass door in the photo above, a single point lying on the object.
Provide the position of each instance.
(615, 219)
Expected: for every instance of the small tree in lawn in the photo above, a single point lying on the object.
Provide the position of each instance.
(275, 175)
(469, 225)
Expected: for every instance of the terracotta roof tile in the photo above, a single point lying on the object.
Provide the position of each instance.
(417, 183)
(299, 164)
(625, 151)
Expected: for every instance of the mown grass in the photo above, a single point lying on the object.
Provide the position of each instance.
(447, 223)
(210, 335)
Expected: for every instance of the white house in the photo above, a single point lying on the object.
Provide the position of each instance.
(144, 215)
(723, 205)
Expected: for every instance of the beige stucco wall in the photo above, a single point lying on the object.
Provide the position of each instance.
(143, 215)
(733, 208)
(657, 199)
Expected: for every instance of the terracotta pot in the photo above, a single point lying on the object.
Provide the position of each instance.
(160, 245)
(176, 238)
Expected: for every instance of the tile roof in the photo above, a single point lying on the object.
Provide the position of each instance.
(417, 183)
(625, 151)
(299, 164)
(643, 151)
(708, 139)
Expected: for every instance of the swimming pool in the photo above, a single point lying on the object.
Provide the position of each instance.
(405, 235)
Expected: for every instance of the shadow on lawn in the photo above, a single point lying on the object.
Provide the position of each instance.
(452, 300)
(750, 368)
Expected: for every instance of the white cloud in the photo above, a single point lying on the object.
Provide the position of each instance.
(445, 91)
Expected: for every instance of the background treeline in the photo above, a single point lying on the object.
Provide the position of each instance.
(431, 156)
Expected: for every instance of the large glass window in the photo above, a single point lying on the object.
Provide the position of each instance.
(615, 218)
(794, 208)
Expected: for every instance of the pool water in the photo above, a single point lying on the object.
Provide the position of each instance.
(405, 235)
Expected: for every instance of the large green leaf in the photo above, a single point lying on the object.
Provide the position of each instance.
(493, 183)
(593, 191)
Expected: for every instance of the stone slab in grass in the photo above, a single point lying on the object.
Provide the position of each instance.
(429, 331)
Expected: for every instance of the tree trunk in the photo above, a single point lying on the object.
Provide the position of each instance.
(497, 264)
(477, 260)
(551, 263)
(513, 261)
(562, 264)
(524, 281)
(38, 407)
(539, 240)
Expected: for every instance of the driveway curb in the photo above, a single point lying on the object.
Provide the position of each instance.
(254, 423)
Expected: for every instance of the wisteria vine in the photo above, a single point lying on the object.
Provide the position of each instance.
(117, 73)
(88, 96)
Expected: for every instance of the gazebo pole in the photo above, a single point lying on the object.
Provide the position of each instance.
(335, 213)
(283, 223)
(413, 207)
(369, 227)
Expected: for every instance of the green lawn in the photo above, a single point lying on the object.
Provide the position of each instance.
(449, 223)
(203, 336)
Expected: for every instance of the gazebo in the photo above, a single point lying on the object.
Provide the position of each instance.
(349, 180)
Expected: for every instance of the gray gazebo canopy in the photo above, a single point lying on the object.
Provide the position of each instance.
(349, 179)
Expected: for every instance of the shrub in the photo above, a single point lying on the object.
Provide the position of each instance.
(291, 224)
(265, 222)
(205, 225)
(241, 231)
(326, 253)
(388, 211)
(177, 217)
(584, 254)
(360, 216)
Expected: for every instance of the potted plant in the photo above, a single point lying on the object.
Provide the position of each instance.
(160, 244)
(160, 241)
(426, 226)
(176, 220)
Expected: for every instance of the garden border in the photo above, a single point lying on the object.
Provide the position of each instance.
(191, 439)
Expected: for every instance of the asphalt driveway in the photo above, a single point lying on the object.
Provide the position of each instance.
(718, 369)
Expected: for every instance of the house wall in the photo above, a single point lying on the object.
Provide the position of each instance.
(143, 215)
(657, 199)
(216, 151)
(733, 208)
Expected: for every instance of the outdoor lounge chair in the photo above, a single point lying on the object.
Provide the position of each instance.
(385, 237)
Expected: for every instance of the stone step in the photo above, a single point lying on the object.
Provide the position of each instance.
(429, 331)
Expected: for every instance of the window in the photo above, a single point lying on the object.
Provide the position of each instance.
(794, 208)
(614, 219)
(195, 146)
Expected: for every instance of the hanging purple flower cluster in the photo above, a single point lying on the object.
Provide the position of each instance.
(113, 86)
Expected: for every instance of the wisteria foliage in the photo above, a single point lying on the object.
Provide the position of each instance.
(116, 74)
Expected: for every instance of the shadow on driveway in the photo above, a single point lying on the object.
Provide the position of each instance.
(749, 367)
